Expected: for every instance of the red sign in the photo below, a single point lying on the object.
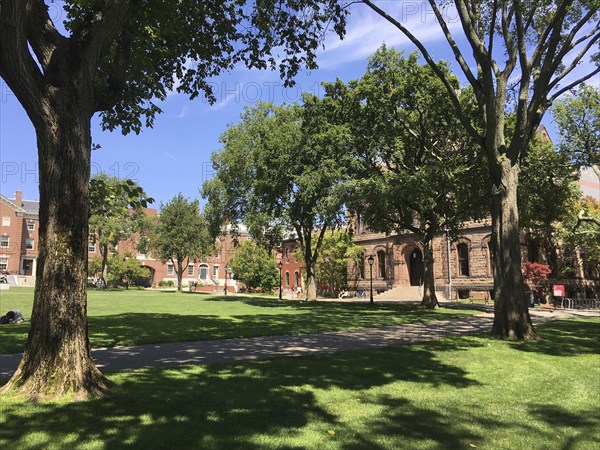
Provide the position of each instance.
(558, 290)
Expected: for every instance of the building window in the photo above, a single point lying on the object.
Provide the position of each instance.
(3, 262)
(287, 255)
(203, 272)
(216, 271)
(170, 269)
(29, 244)
(463, 260)
(361, 266)
(31, 225)
(296, 278)
(287, 278)
(4, 241)
(6, 221)
(190, 269)
(381, 263)
(91, 247)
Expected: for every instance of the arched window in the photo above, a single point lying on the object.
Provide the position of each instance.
(287, 278)
(296, 278)
(287, 255)
(463, 260)
(381, 263)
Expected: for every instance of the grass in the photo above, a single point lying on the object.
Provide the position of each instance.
(469, 392)
(147, 317)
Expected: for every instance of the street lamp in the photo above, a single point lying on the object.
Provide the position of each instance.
(371, 260)
(280, 266)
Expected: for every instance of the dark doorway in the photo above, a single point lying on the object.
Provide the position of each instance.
(27, 267)
(415, 267)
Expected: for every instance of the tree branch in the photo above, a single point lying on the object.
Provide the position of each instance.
(43, 36)
(574, 84)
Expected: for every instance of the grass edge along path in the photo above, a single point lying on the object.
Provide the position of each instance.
(463, 392)
(126, 318)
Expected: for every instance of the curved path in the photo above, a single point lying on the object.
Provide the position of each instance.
(118, 359)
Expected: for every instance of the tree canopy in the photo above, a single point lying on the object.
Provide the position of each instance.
(116, 209)
(415, 168)
(180, 235)
(119, 58)
(280, 171)
(578, 120)
(518, 57)
(254, 266)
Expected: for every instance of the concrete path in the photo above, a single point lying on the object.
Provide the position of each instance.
(118, 359)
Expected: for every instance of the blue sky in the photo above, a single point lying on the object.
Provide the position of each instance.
(174, 156)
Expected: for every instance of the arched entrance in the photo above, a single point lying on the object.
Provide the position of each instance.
(415, 267)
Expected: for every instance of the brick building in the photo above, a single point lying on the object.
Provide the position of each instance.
(19, 236)
(19, 245)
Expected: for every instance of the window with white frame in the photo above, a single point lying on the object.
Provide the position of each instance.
(190, 269)
(170, 269)
(215, 271)
(6, 221)
(31, 225)
(3, 262)
(91, 247)
(29, 244)
(4, 241)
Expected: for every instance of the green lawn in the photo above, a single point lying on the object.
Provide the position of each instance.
(455, 393)
(147, 317)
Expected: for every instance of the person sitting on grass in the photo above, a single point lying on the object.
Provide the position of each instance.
(13, 316)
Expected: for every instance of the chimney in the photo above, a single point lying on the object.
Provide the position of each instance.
(19, 198)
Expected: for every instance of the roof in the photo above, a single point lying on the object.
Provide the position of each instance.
(27, 207)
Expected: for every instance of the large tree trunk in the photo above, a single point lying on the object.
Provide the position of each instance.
(57, 360)
(511, 314)
(429, 298)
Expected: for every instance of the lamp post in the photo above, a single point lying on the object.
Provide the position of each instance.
(371, 260)
(280, 266)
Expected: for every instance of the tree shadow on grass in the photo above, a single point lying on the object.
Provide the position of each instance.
(152, 328)
(565, 338)
(229, 406)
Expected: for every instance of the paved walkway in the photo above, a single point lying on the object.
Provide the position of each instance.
(118, 359)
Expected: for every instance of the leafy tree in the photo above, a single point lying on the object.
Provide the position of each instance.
(547, 196)
(122, 269)
(279, 170)
(119, 58)
(581, 234)
(337, 250)
(181, 235)
(126, 270)
(255, 266)
(116, 211)
(417, 169)
(578, 120)
(518, 57)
